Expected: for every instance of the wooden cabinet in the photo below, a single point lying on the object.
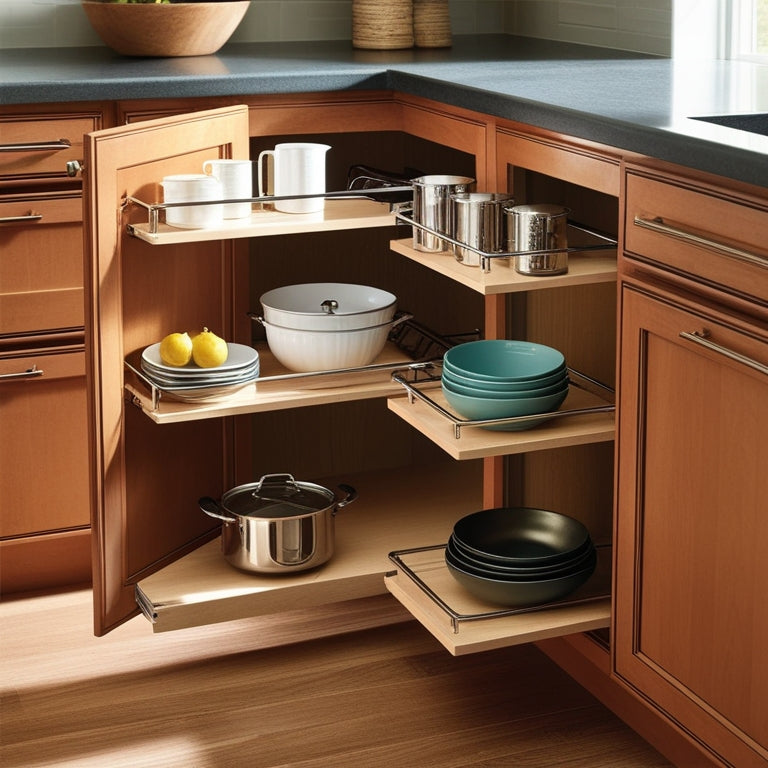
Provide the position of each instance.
(45, 514)
(690, 617)
(44, 504)
(154, 543)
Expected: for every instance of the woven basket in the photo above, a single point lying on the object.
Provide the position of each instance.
(382, 24)
(431, 23)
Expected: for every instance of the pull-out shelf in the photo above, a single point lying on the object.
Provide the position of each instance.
(464, 624)
(338, 214)
(584, 417)
(394, 509)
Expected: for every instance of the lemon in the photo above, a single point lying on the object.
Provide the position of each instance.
(176, 349)
(209, 350)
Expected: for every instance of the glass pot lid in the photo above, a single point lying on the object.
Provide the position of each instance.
(277, 496)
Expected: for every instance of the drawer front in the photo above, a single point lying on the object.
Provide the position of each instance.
(41, 263)
(711, 237)
(44, 448)
(35, 146)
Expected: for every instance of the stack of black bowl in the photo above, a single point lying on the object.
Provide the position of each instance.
(520, 556)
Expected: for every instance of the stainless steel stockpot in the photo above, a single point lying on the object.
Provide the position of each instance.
(432, 208)
(277, 525)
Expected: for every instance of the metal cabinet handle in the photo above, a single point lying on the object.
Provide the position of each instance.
(658, 225)
(21, 219)
(37, 146)
(702, 338)
(31, 373)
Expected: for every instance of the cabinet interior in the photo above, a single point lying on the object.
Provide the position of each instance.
(412, 489)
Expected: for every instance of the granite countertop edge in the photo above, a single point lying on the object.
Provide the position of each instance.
(631, 102)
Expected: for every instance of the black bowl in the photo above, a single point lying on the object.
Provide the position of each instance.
(521, 536)
(520, 594)
(494, 570)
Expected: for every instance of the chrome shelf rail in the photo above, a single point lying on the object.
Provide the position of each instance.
(405, 215)
(425, 375)
(153, 209)
(457, 618)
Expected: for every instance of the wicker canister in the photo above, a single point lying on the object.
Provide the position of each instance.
(382, 24)
(431, 23)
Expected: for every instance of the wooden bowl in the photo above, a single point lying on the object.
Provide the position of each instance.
(160, 29)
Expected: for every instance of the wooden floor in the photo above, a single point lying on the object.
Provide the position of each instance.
(222, 697)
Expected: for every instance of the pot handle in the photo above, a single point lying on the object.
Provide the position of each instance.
(213, 509)
(350, 497)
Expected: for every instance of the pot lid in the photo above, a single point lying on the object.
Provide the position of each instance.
(277, 496)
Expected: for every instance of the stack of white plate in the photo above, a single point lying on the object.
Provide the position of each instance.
(191, 382)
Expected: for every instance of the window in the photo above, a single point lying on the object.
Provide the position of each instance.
(749, 31)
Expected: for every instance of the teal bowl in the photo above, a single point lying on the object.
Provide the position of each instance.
(482, 408)
(476, 390)
(503, 360)
(505, 387)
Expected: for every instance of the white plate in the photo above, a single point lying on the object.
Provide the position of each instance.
(202, 375)
(166, 382)
(239, 356)
(206, 393)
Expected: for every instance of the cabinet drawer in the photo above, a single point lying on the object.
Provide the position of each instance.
(41, 145)
(44, 449)
(712, 237)
(41, 262)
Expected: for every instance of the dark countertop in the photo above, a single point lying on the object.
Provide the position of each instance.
(629, 101)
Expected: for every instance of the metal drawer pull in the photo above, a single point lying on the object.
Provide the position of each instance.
(37, 146)
(21, 219)
(702, 338)
(31, 373)
(657, 225)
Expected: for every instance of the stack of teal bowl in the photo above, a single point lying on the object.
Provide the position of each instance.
(500, 379)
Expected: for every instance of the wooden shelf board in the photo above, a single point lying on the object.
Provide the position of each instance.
(396, 509)
(338, 214)
(584, 268)
(497, 631)
(475, 442)
(277, 395)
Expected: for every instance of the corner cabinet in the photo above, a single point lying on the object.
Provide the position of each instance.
(154, 458)
(690, 612)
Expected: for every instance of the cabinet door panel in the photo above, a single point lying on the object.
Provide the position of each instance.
(691, 619)
(144, 509)
(43, 449)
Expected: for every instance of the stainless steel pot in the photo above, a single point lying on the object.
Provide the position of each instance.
(432, 208)
(277, 525)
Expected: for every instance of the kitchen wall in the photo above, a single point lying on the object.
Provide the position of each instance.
(637, 25)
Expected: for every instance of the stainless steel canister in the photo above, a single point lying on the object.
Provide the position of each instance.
(539, 228)
(431, 207)
(479, 221)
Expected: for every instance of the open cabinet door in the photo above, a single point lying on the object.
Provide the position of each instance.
(146, 478)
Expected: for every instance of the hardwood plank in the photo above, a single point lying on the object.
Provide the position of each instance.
(257, 693)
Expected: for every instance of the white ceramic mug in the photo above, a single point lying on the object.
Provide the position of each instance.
(298, 169)
(236, 177)
(187, 188)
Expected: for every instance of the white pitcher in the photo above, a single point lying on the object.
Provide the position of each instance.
(297, 169)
